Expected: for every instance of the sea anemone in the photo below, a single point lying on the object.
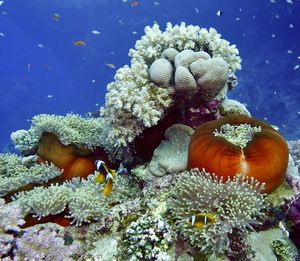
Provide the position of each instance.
(237, 203)
(240, 144)
(75, 161)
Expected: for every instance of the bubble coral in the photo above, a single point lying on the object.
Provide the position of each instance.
(240, 144)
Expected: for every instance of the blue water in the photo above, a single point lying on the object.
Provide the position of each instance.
(58, 77)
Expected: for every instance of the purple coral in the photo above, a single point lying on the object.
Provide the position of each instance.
(294, 217)
(10, 220)
(43, 245)
(206, 111)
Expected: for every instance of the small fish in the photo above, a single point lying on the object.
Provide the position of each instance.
(296, 67)
(93, 114)
(105, 174)
(134, 32)
(219, 13)
(56, 17)
(134, 3)
(2, 34)
(96, 32)
(122, 170)
(110, 65)
(202, 219)
(79, 43)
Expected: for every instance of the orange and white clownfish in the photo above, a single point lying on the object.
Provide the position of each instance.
(202, 219)
(105, 174)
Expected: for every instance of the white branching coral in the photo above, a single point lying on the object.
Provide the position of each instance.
(148, 238)
(232, 204)
(133, 101)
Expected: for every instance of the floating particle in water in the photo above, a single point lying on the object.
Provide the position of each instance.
(112, 53)
(244, 34)
(275, 93)
(134, 32)
(240, 9)
(289, 51)
(265, 118)
(4, 13)
(49, 96)
(219, 13)
(277, 16)
(291, 26)
(254, 17)
(237, 19)
(196, 10)
(298, 112)
(296, 67)
(120, 22)
(267, 61)
(96, 32)
(273, 1)
(289, 1)
(93, 81)
(1, 3)
(40, 45)
(156, 3)
(273, 35)
(96, 104)
(2, 34)
(110, 65)
(134, 3)
(298, 57)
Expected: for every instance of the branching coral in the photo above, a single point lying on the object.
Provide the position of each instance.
(133, 102)
(148, 238)
(236, 203)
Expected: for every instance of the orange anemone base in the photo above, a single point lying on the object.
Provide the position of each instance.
(76, 162)
(265, 157)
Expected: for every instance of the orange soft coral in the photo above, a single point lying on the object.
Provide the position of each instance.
(265, 157)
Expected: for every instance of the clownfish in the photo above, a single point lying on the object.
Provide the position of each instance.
(105, 174)
(202, 219)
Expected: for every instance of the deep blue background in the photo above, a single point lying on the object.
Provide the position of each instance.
(267, 83)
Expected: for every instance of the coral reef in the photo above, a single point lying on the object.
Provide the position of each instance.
(233, 204)
(134, 101)
(165, 113)
(227, 146)
(148, 238)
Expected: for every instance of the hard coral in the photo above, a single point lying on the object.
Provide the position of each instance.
(237, 203)
(227, 147)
